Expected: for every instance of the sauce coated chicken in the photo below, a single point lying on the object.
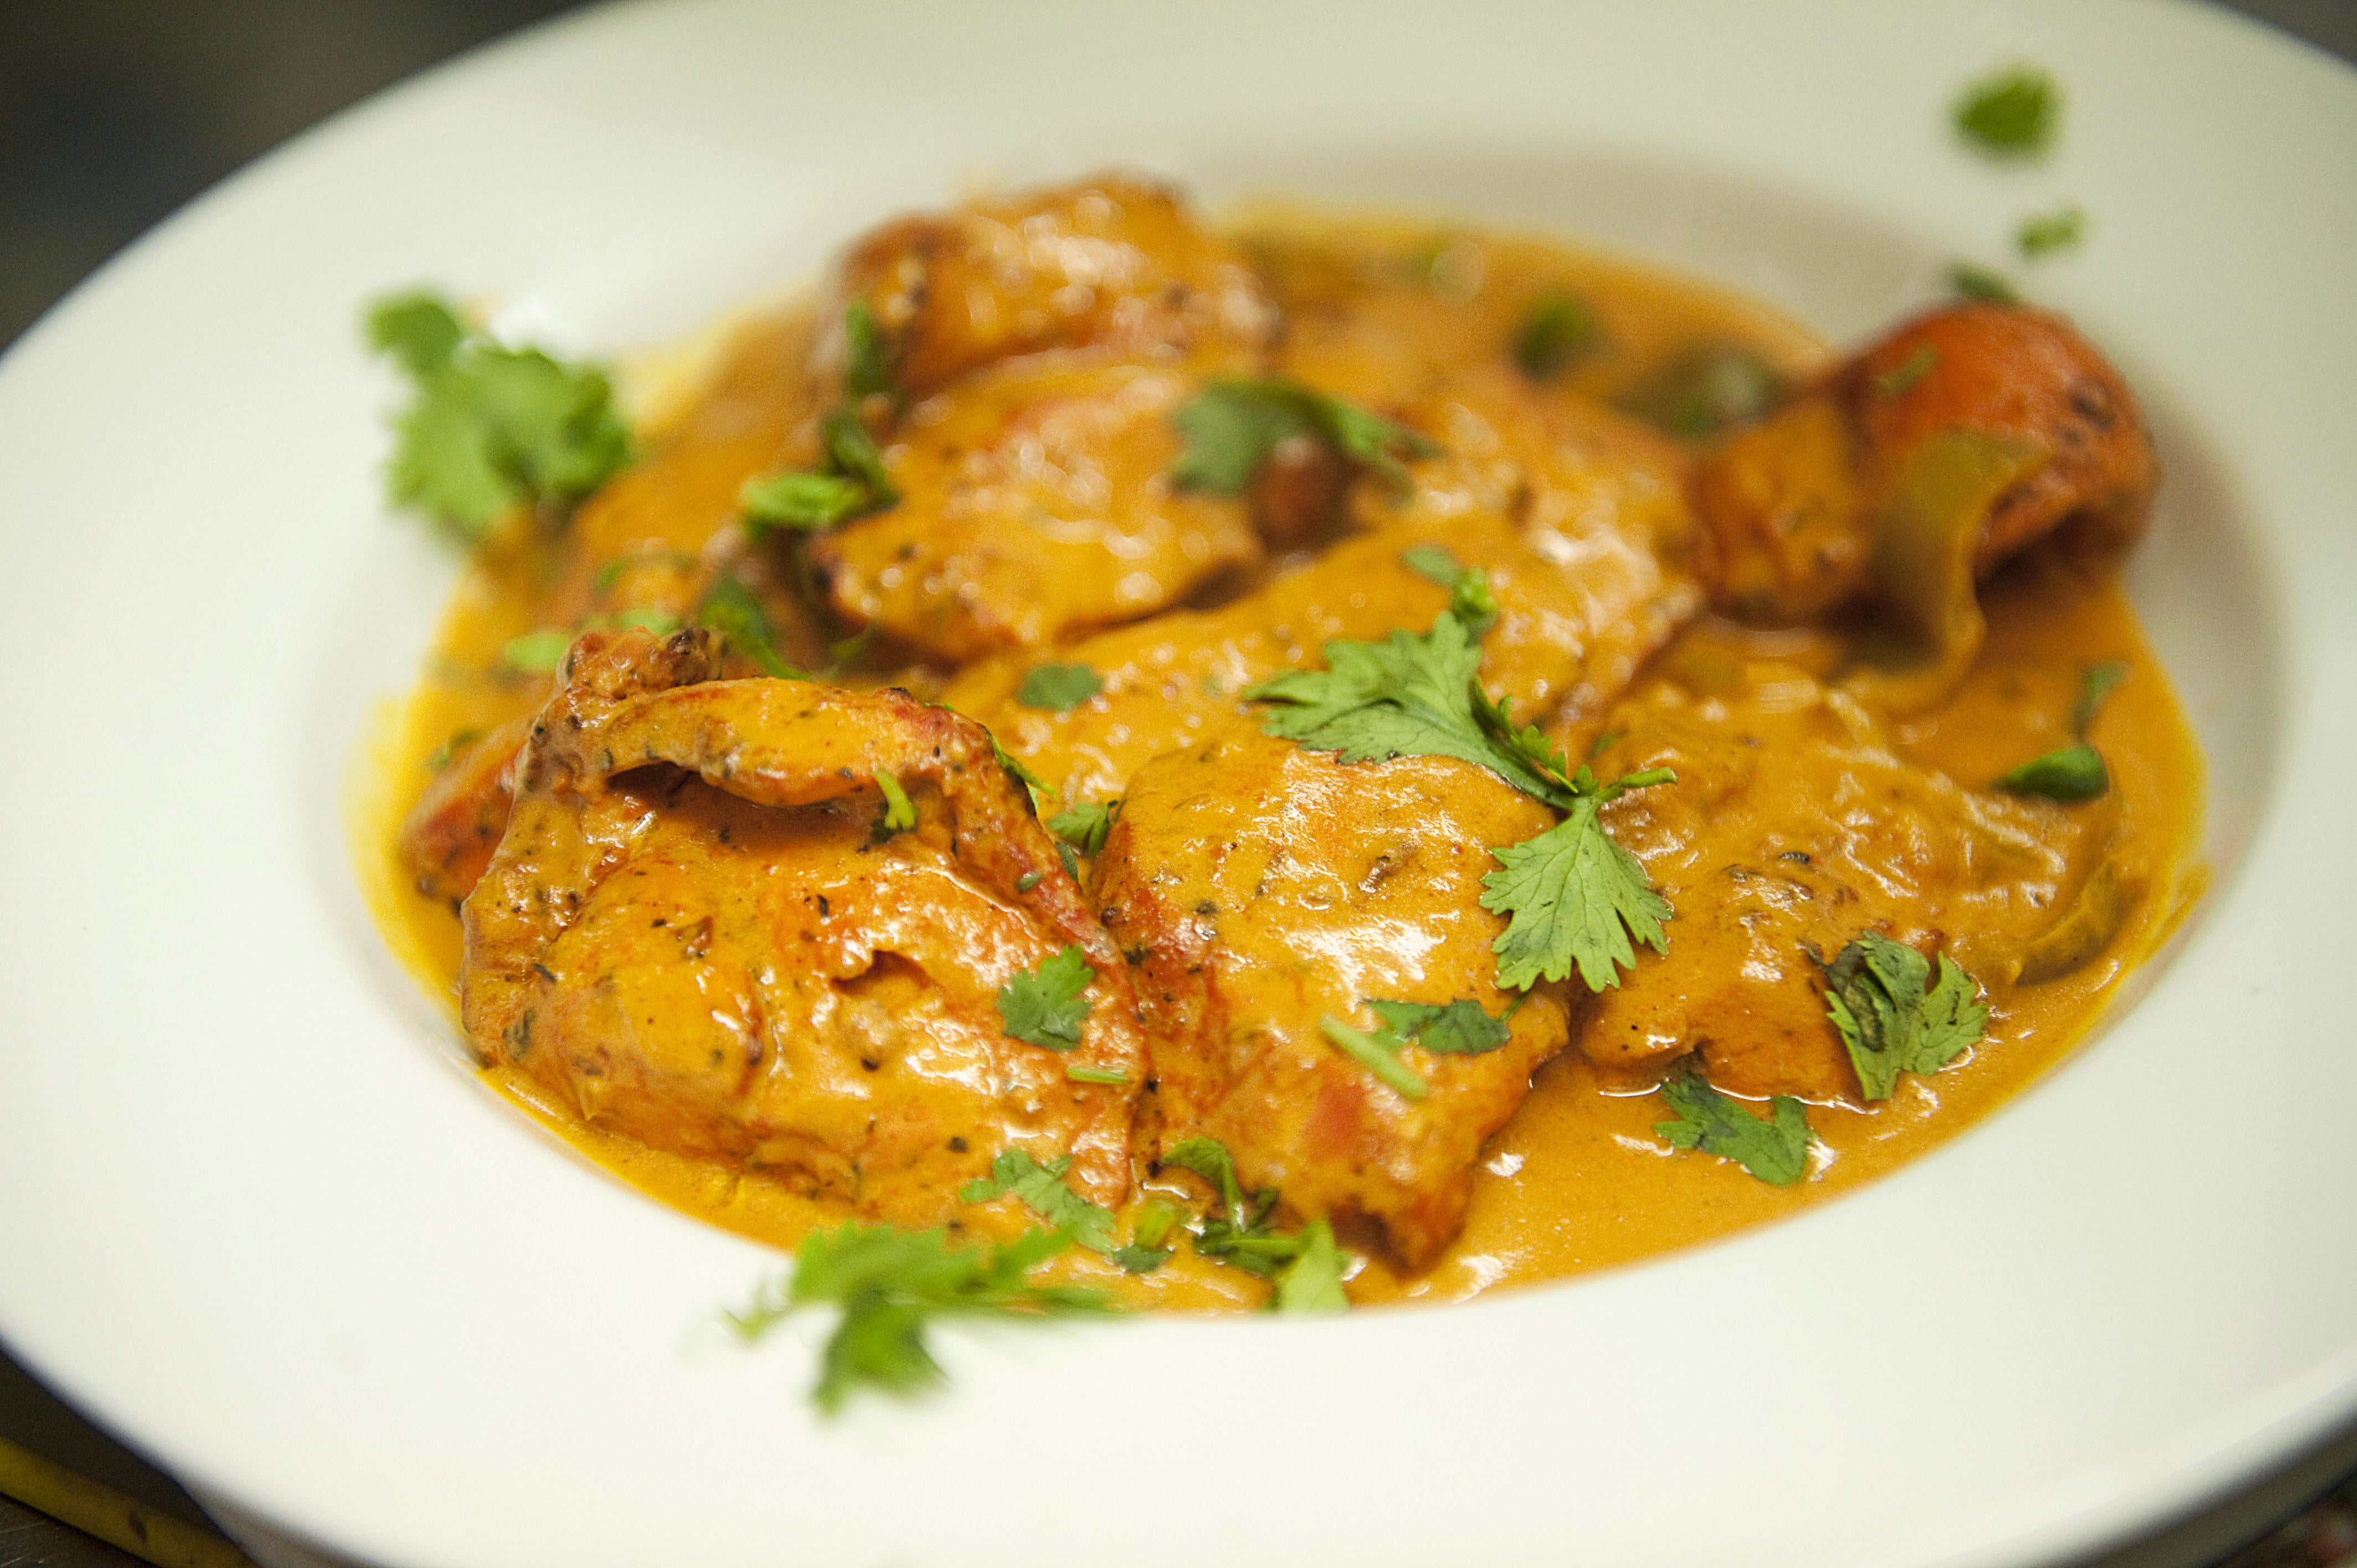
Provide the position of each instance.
(980, 811)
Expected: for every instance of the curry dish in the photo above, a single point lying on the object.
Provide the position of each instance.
(1014, 723)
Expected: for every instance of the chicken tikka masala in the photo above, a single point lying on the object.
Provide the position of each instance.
(1413, 751)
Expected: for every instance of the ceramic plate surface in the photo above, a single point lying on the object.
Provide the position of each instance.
(255, 1215)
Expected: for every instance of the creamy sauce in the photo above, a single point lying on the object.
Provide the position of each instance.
(1579, 1179)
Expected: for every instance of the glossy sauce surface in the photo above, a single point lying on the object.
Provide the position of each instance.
(1411, 317)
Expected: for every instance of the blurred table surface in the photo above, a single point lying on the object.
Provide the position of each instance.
(114, 113)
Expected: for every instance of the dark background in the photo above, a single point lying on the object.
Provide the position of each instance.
(114, 113)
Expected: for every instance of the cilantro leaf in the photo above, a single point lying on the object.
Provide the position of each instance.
(734, 611)
(1460, 1029)
(1875, 995)
(1558, 327)
(2071, 774)
(2046, 233)
(1075, 1073)
(1084, 826)
(1042, 1006)
(1469, 599)
(1231, 427)
(2094, 686)
(490, 427)
(536, 652)
(1312, 1282)
(804, 503)
(2012, 113)
(1980, 283)
(1209, 1158)
(1775, 1149)
(1573, 897)
(1908, 371)
(890, 1285)
(867, 368)
(1041, 1190)
(900, 812)
(1704, 388)
(1407, 696)
(1059, 688)
(1379, 1053)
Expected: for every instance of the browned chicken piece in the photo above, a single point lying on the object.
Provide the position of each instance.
(1268, 888)
(703, 932)
(1794, 504)
(1792, 828)
(449, 835)
(1033, 506)
(1115, 264)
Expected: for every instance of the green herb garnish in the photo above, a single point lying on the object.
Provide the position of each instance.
(1041, 1190)
(734, 611)
(866, 369)
(2046, 233)
(2069, 774)
(1240, 1238)
(536, 652)
(1059, 688)
(1379, 1053)
(1312, 1282)
(1705, 388)
(1558, 329)
(1908, 371)
(1875, 993)
(2094, 686)
(1075, 1073)
(1042, 1006)
(1469, 599)
(1775, 1149)
(1232, 427)
(1084, 826)
(900, 812)
(892, 1284)
(2013, 113)
(1980, 283)
(1460, 1029)
(491, 427)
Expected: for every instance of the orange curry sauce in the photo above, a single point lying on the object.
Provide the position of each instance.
(1577, 1178)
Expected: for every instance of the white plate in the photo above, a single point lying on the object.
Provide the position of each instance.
(252, 1215)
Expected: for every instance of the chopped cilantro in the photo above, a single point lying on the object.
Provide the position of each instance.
(1027, 881)
(804, 503)
(1705, 387)
(2013, 113)
(1071, 864)
(447, 752)
(1209, 1158)
(851, 452)
(1558, 329)
(1908, 371)
(866, 369)
(536, 652)
(1041, 1190)
(1460, 1029)
(1042, 1006)
(1059, 688)
(1379, 1053)
(734, 611)
(2047, 234)
(2071, 774)
(1084, 826)
(491, 427)
(1033, 785)
(1574, 897)
(1312, 1282)
(1153, 1221)
(1775, 1149)
(1232, 427)
(2094, 686)
(900, 812)
(1568, 893)
(1980, 283)
(890, 1285)
(1875, 995)
(1469, 599)
(662, 623)
(1075, 1073)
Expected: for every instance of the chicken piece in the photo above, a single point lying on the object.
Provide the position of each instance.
(1572, 626)
(1033, 505)
(700, 932)
(1114, 264)
(1792, 828)
(1268, 888)
(450, 834)
(1795, 504)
